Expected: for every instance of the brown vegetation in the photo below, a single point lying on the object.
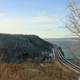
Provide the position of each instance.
(52, 71)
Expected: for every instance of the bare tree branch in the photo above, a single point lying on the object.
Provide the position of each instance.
(73, 24)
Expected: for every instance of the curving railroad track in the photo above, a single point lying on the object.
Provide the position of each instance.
(61, 58)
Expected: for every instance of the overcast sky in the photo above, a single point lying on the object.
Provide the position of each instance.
(44, 18)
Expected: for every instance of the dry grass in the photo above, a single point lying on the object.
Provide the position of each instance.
(52, 71)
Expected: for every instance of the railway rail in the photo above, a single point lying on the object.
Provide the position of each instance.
(61, 58)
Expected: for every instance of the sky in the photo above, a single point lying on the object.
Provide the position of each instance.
(44, 18)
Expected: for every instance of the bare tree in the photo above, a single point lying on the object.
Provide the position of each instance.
(73, 23)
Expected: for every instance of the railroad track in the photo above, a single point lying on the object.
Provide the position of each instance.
(64, 61)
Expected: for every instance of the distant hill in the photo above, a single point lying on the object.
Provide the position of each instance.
(67, 43)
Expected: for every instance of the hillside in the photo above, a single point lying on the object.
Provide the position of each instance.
(18, 48)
